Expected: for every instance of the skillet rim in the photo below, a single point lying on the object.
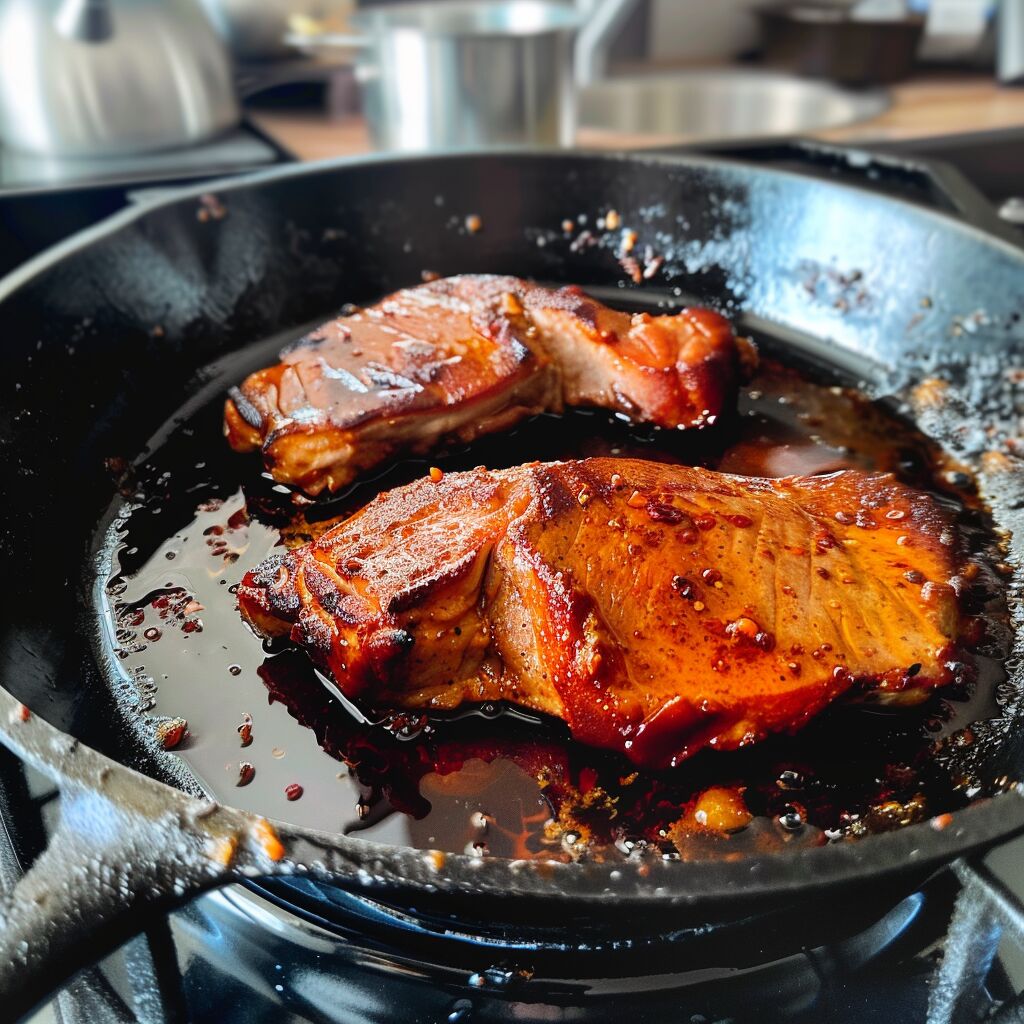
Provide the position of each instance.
(917, 846)
(22, 275)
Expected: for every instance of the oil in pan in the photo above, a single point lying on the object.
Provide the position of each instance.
(265, 733)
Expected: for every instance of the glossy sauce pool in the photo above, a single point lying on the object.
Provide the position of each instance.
(265, 733)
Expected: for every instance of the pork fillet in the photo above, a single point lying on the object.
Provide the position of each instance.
(656, 609)
(466, 356)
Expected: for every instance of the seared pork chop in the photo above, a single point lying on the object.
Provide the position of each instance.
(656, 609)
(466, 356)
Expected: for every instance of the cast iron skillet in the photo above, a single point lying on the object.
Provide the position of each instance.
(102, 338)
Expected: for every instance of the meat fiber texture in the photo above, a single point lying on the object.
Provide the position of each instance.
(656, 609)
(466, 356)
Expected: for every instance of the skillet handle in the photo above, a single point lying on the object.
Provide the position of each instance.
(126, 847)
(90, 890)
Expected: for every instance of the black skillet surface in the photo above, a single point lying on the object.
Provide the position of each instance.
(102, 340)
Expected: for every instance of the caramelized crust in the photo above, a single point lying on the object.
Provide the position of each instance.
(466, 356)
(656, 609)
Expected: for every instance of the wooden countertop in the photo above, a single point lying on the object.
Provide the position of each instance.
(934, 104)
(950, 104)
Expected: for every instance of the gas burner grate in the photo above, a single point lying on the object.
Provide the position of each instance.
(246, 954)
(986, 911)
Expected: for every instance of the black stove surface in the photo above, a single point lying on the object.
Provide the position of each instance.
(296, 951)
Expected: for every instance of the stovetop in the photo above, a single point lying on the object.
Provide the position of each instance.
(242, 148)
(43, 199)
(950, 953)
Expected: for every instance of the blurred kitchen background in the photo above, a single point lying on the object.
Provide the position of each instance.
(107, 101)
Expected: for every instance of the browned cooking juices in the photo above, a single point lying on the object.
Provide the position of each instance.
(265, 733)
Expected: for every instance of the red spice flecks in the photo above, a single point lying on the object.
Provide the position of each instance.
(246, 773)
(704, 521)
(245, 730)
(238, 518)
(824, 542)
(211, 208)
(294, 791)
(661, 512)
(740, 521)
(171, 732)
(23, 713)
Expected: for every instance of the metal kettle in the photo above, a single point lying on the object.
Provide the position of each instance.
(103, 77)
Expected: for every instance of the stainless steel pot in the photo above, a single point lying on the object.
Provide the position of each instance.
(99, 77)
(462, 75)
